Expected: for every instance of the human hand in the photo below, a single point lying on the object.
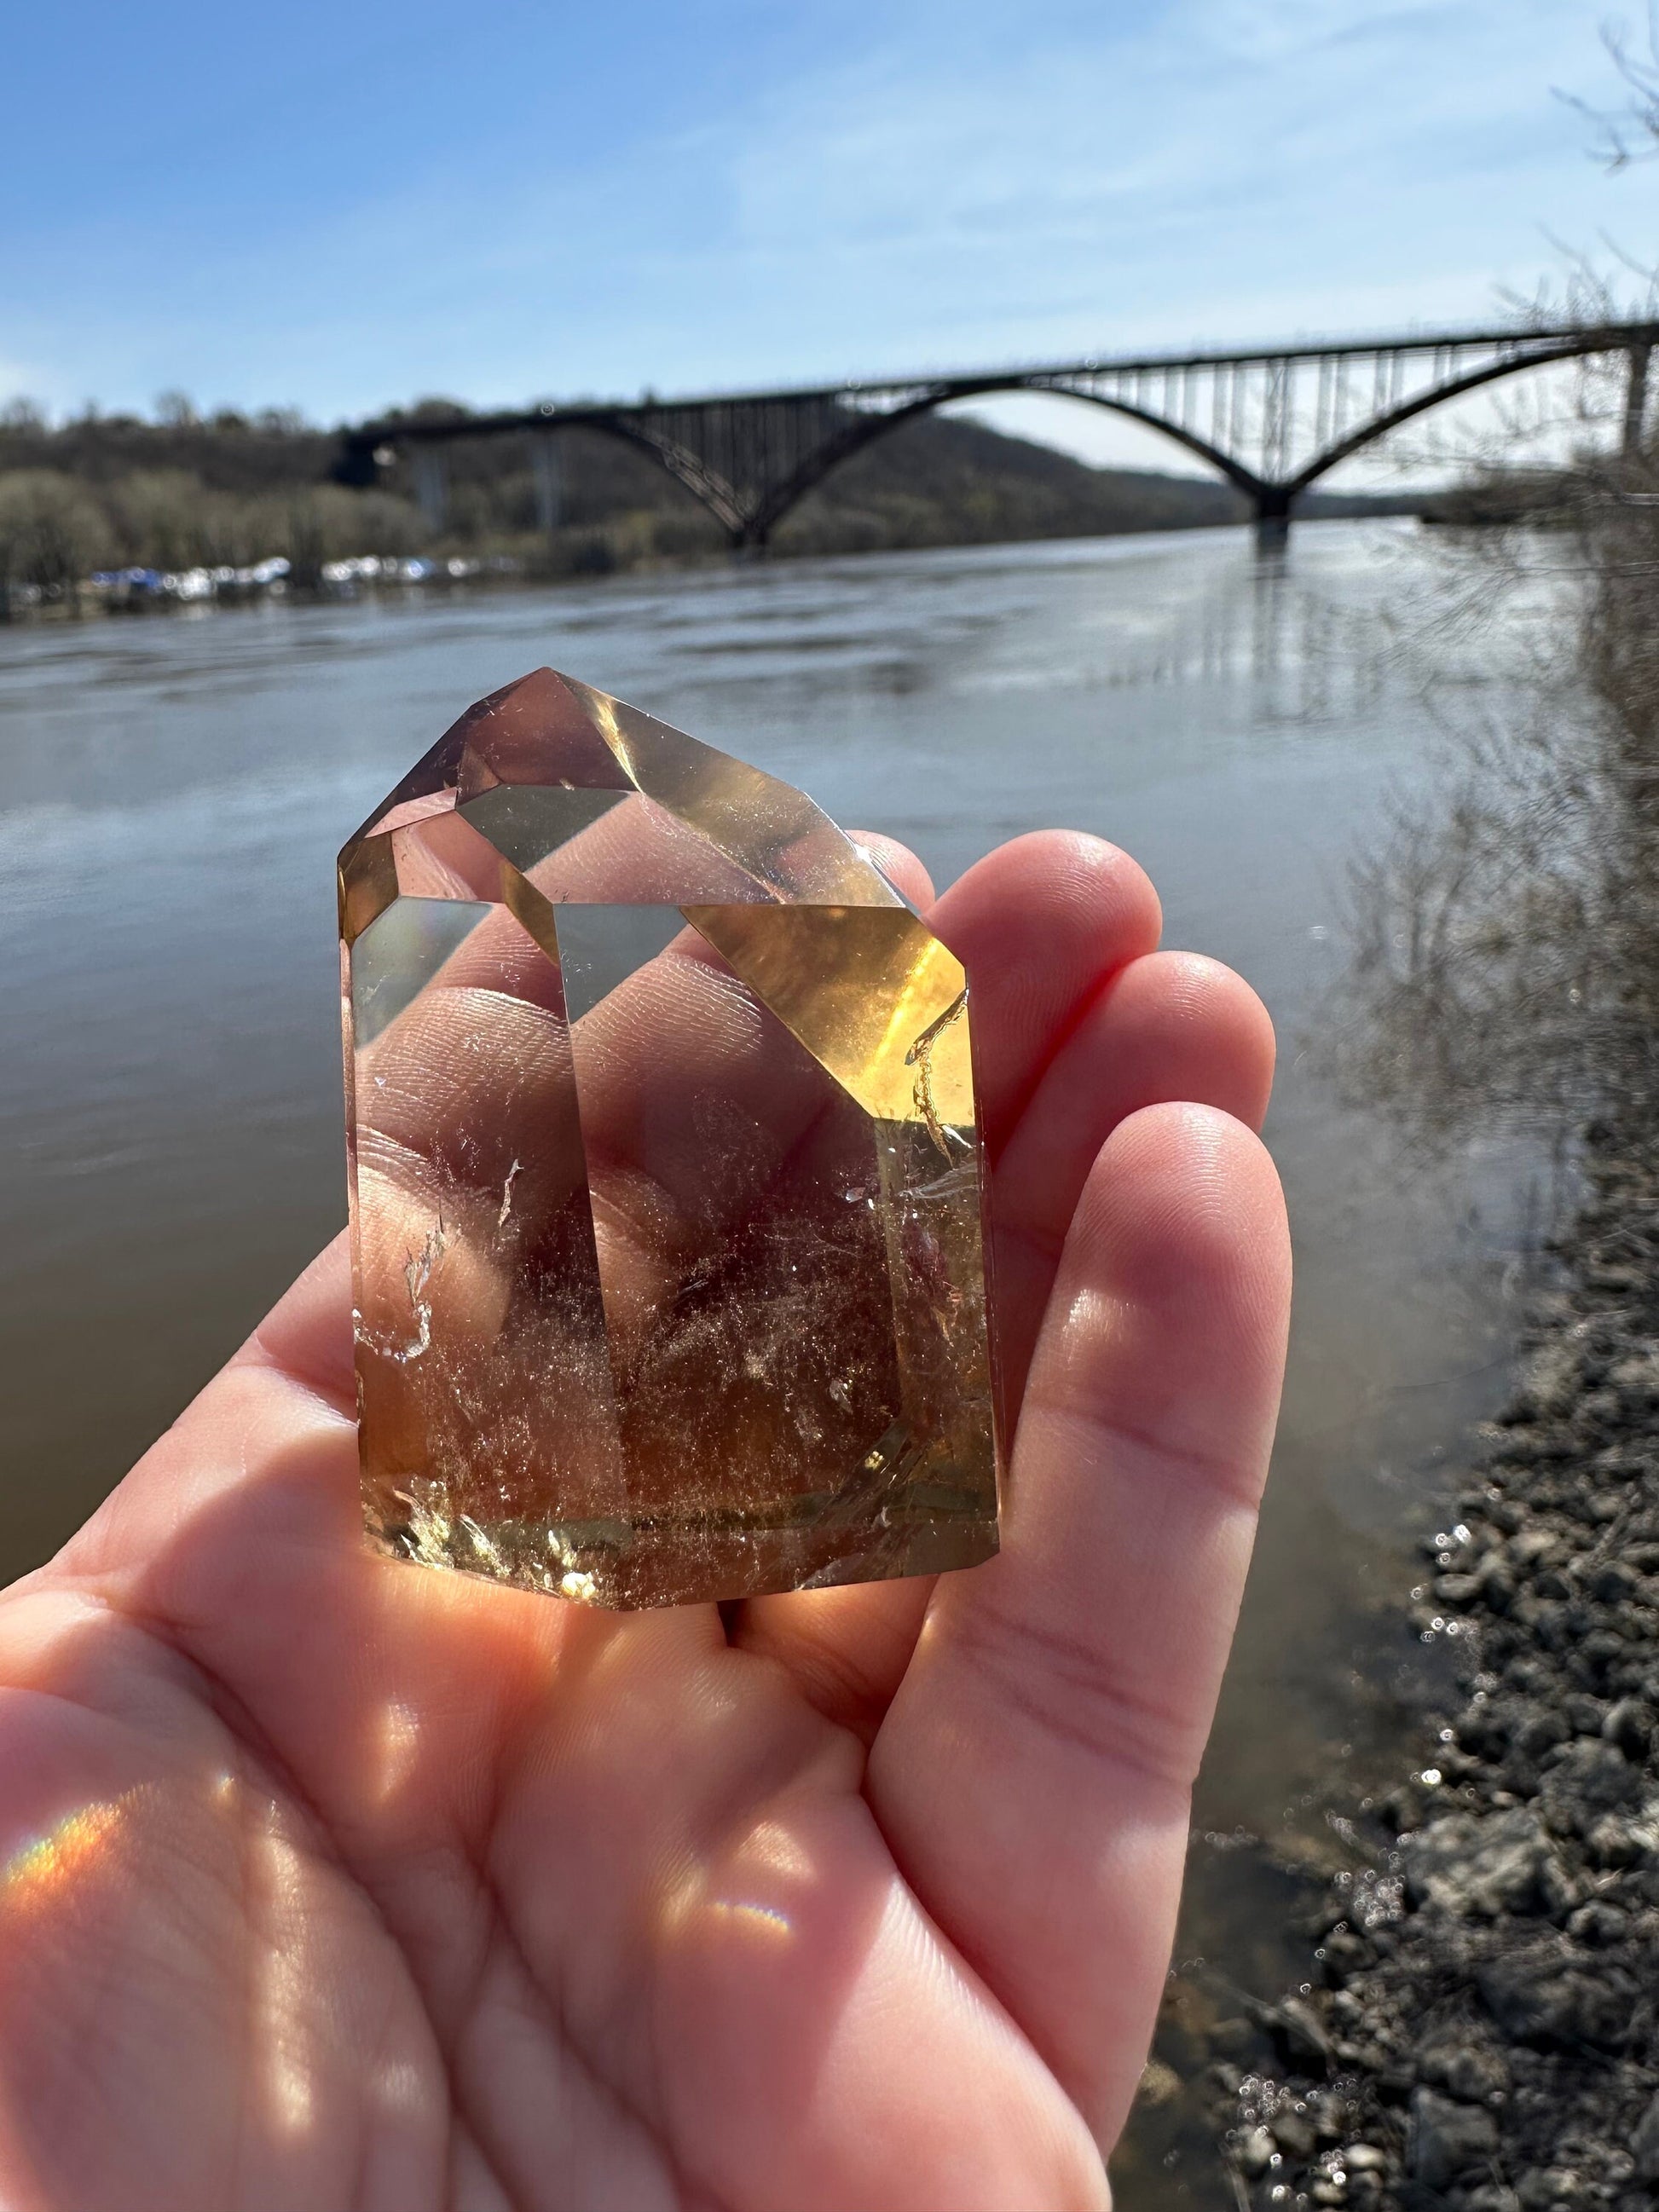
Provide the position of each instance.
(328, 1882)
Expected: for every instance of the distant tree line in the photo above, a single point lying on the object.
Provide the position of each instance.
(183, 491)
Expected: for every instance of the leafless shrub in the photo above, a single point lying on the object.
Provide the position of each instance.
(51, 529)
(1629, 132)
(1504, 930)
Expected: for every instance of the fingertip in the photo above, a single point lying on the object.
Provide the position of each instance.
(899, 864)
(1088, 890)
(1187, 1015)
(1040, 924)
(1184, 1209)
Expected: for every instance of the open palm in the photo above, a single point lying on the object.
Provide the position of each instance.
(331, 1883)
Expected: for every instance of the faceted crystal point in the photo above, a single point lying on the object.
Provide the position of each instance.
(664, 1176)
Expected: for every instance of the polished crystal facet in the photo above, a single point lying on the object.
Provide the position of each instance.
(665, 1178)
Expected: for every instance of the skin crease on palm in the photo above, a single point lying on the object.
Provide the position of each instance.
(329, 1883)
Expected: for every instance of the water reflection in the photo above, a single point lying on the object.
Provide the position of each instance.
(1304, 656)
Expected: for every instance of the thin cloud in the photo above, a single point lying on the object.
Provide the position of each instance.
(963, 190)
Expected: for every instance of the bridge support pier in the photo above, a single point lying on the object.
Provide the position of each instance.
(1636, 399)
(432, 484)
(1273, 518)
(550, 484)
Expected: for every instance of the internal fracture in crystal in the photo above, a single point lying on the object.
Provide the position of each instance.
(668, 1270)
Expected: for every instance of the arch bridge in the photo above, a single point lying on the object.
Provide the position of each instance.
(1272, 421)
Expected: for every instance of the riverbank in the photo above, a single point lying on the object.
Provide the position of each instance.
(1479, 2026)
(139, 591)
(184, 511)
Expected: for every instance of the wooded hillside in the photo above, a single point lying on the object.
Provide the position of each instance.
(104, 492)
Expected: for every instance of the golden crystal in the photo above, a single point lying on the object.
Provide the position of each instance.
(668, 1273)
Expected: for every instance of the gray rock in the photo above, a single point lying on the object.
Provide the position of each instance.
(1494, 1584)
(1590, 1778)
(1534, 1546)
(1552, 1991)
(1615, 1843)
(1599, 1923)
(1611, 1583)
(1549, 2189)
(1540, 1732)
(1256, 2152)
(1484, 1728)
(1345, 1954)
(1365, 2158)
(1468, 1864)
(1294, 2133)
(1601, 1647)
(1628, 1726)
(1637, 1378)
(1236, 2039)
(1559, 1890)
(1332, 2117)
(1301, 2028)
(1467, 2070)
(1644, 2144)
(1552, 1379)
(1448, 2139)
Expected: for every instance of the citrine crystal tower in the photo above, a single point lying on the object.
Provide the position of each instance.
(669, 1280)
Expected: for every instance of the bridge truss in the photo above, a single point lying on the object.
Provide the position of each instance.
(1273, 422)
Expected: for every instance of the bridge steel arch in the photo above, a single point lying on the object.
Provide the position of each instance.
(706, 485)
(872, 423)
(748, 459)
(1272, 499)
(1380, 426)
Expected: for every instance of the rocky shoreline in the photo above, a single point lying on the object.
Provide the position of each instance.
(1479, 2029)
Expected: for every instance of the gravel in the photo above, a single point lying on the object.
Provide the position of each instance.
(1479, 2027)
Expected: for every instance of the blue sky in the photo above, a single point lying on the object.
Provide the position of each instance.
(341, 206)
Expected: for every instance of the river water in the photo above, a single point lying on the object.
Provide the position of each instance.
(173, 793)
